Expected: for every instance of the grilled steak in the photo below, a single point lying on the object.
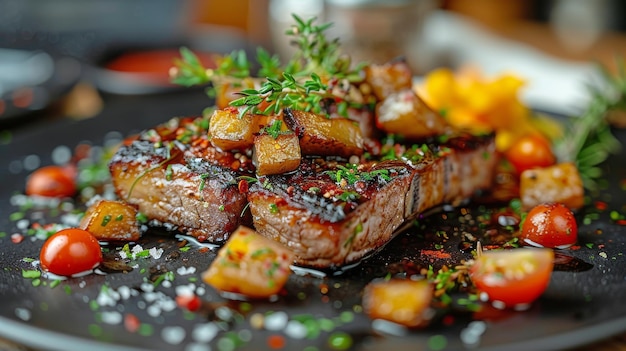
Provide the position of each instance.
(174, 176)
(333, 214)
(330, 212)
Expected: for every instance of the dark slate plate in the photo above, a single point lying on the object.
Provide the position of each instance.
(586, 299)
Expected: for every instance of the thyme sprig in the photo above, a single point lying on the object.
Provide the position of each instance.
(317, 54)
(310, 95)
(588, 140)
(306, 82)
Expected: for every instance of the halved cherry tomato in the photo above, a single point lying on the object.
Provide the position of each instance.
(52, 181)
(513, 278)
(530, 151)
(70, 251)
(550, 225)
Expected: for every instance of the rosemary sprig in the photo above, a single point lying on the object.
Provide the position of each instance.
(588, 140)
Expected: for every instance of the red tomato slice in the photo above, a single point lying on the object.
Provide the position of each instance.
(70, 251)
(550, 225)
(52, 181)
(513, 278)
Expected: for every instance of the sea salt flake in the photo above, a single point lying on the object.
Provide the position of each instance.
(124, 292)
(136, 249)
(204, 333)
(111, 317)
(295, 330)
(173, 334)
(185, 290)
(186, 270)
(153, 310)
(156, 253)
(276, 321)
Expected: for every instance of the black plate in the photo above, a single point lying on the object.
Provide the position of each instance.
(38, 76)
(586, 299)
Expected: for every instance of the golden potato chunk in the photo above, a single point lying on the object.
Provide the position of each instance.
(111, 221)
(229, 131)
(388, 78)
(276, 154)
(403, 301)
(250, 264)
(559, 183)
(404, 113)
(322, 136)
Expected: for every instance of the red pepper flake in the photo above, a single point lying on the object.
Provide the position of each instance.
(435, 254)
(448, 320)
(204, 249)
(276, 341)
(131, 323)
(621, 221)
(17, 238)
(601, 246)
(243, 186)
(601, 205)
(190, 302)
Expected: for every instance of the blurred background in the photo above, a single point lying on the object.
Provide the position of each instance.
(53, 49)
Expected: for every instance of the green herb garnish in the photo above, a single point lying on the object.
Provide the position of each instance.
(588, 140)
(297, 84)
(351, 174)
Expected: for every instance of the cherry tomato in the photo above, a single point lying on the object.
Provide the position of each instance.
(550, 225)
(513, 278)
(530, 151)
(52, 181)
(70, 251)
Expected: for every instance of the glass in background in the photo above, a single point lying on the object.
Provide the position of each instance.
(372, 30)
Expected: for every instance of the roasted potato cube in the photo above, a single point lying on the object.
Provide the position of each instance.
(250, 264)
(111, 221)
(321, 136)
(404, 113)
(402, 301)
(388, 78)
(275, 155)
(227, 92)
(229, 131)
(559, 183)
